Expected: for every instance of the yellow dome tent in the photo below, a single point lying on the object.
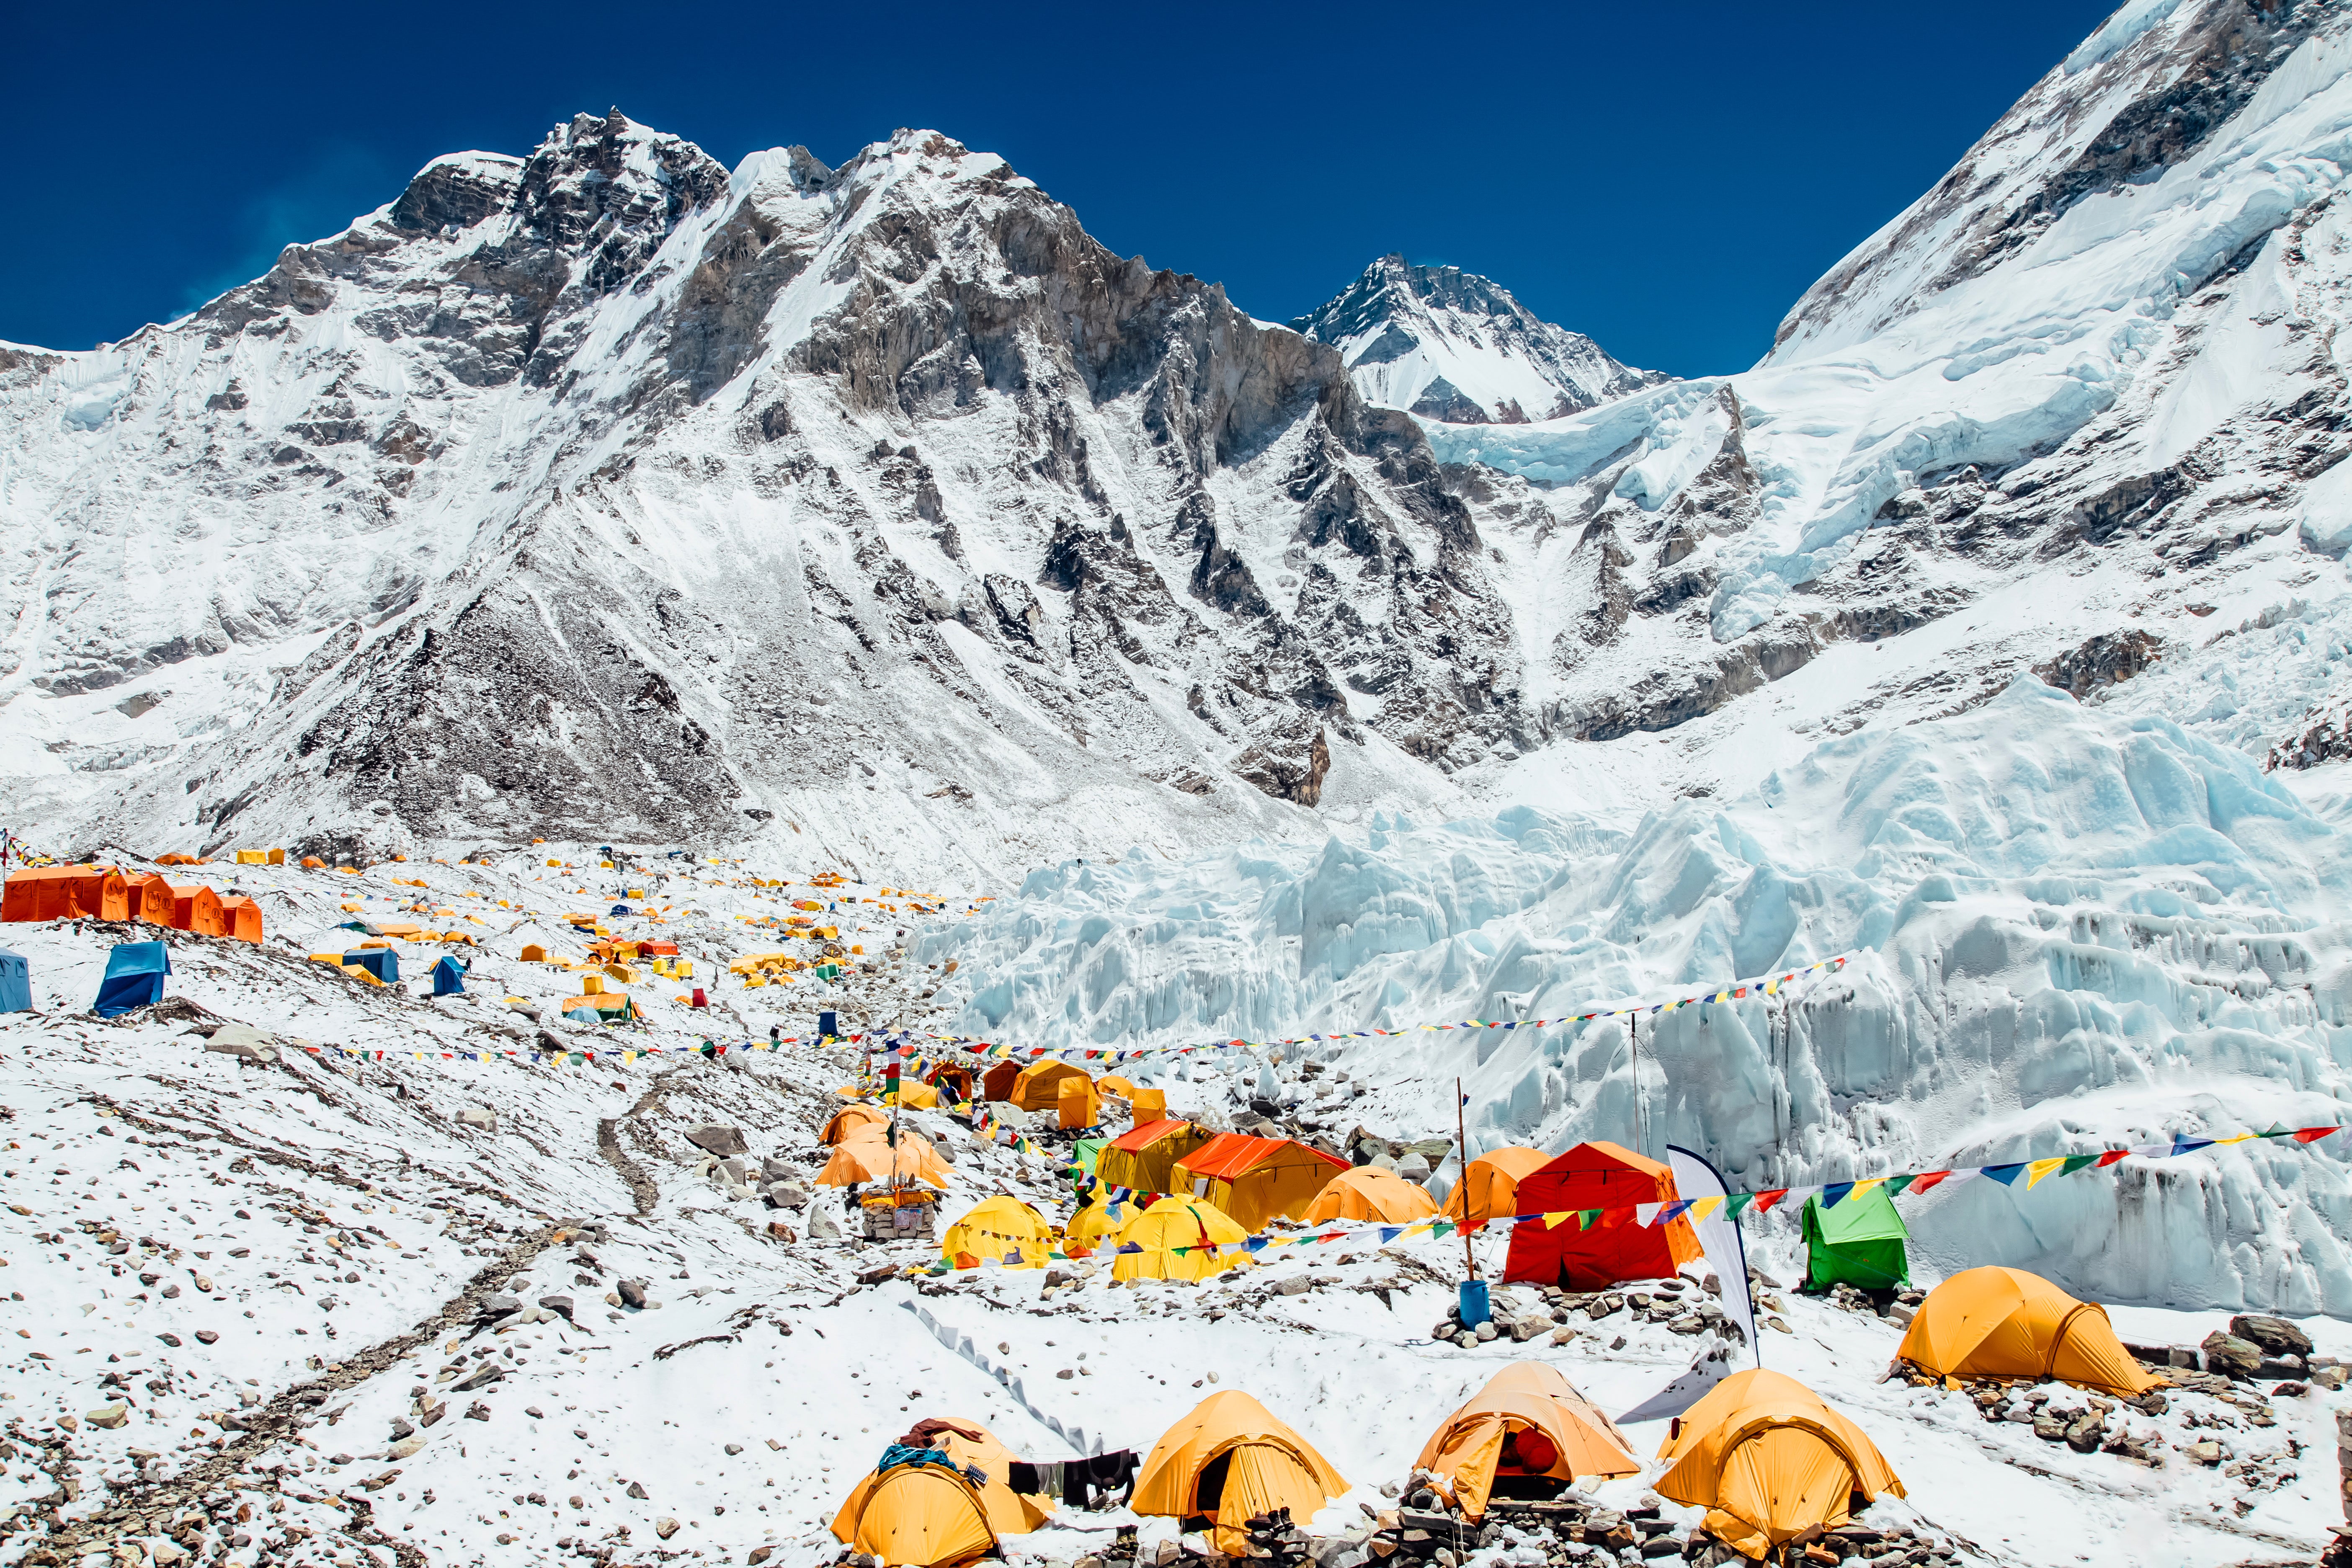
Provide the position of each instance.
(1002, 1227)
(2005, 1322)
(1202, 1229)
(1039, 1086)
(1768, 1460)
(849, 1119)
(1528, 1425)
(926, 1516)
(970, 1443)
(1112, 1083)
(917, 1095)
(1229, 1462)
(1094, 1227)
(1369, 1192)
(1489, 1189)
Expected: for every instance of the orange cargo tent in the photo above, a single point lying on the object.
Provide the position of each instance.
(2005, 1322)
(241, 918)
(929, 1515)
(1525, 1434)
(1489, 1188)
(1079, 1105)
(1367, 1192)
(1255, 1179)
(1597, 1176)
(65, 893)
(1039, 1086)
(998, 1081)
(197, 909)
(1769, 1460)
(846, 1121)
(1145, 1158)
(151, 898)
(1228, 1462)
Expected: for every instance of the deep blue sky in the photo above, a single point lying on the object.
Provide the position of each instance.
(1666, 178)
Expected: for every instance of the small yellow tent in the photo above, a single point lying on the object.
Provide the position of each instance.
(849, 1119)
(1265, 1466)
(1367, 1192)
(1202, 1229)
(928, 1516)
(1112, 1083)
(2005, 1322)
(1002, 1227)
(1489, 1188)
(1078, 1104)
(917, 1095)
(1768, 1460)
(1039, 1088)
(972, 1445)
(1532, 1430)
(1093, 1226)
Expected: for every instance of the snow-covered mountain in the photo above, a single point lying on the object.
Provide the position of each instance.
(1449, 345)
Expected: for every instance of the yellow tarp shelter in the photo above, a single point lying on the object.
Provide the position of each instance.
(1078, 1102)
(1145, 1158)
(1768, 1460)
(1527, 1424)
(917, 1095)
(1255, 1179)
(849, 1119)
(1201, 1228)
(1489, 1189)
(1369, 1192)
(2005, 1322)
(923, 1515)
(1002, 1228)
(1039, 1086)
(1229, 1462)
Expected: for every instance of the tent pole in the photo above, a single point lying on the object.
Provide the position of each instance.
(1462, 1144)
(1634, 1024)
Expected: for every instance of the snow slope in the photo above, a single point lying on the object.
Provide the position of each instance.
(1448, 344)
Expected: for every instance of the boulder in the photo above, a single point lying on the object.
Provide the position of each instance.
(2231, 1356)
(109, 1416)
(713, 1138)
(823, 1225)
(774, 1170)
(1413, 1168)
(246, 1043)
(785, 1195)
(633, 1292)
(2275, 1336)
(559, 1305)
(480, 1117)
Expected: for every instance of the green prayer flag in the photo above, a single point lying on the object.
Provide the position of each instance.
(1737, 1201)
(2075, 1162)
(1896, 1183)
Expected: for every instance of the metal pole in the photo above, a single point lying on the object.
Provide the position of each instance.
(1462, 1144)
(1636, 1032)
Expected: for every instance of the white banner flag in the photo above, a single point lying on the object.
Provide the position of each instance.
(1694, 1178)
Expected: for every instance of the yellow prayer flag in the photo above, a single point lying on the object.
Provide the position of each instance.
(2040, 1168)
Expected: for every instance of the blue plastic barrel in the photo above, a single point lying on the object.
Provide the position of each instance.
(1474, 1310)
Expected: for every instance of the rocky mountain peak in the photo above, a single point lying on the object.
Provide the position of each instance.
(1452, 345)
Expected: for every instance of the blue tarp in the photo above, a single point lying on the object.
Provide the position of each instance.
(15, 982)
(134, 978)
(449, 978)
(380, 961)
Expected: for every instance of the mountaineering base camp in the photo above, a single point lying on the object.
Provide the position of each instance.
(1385, 941)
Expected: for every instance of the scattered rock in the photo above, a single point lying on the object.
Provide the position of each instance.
(207, 1336)
(480, 1117)
(633, 1293)
(477, 1412)
(714, 1138)
(109, 1416)
(2231, 1356)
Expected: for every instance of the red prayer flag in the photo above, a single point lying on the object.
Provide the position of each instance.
(1766, 1200)
(1920, 1184)
(2311, 1134)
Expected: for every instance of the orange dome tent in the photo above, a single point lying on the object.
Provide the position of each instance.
(857, 1160)
(1529, 1431)
(1769, 1460)
(2005, 1322)
(1369, 1192)
(1489, 1188)
(928, 1516)
(1039, 1086)
(1111, 1083)
(1229, 1462)
(1144, 1158)
(1256, 1179)
(849, 1119)
(1597, 1176)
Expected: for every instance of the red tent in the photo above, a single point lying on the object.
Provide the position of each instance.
(997, 1083)
(1597, 1176)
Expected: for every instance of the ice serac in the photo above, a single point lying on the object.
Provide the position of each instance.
(2085, 391)
(1447, 344)
(607, 490)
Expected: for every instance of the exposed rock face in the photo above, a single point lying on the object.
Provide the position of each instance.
(1449, 345)
(602, 492)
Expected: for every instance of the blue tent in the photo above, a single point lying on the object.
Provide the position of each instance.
(380, 961)
(449, 978)
(622, 909)
(134, 978)
(15, 982)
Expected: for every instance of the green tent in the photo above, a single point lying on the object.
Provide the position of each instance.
(1083, 1154)
(1860, 1242)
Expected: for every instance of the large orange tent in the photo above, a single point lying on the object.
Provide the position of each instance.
(1768, 1460)
(858, 1160)
(149, 897)
(849, 1119)
(1144, 1158)
(1146, 1246)
(2004, 1322)
(1489, 1188)
(1527, 1433)
(197, 909)
(1228, 1462)
(1369, 1192)
(925, 1515)
(1597, 1176)
(1039, 1086)
(241, 918)
(1255, 1179)
(971, 1445)
(65, 893)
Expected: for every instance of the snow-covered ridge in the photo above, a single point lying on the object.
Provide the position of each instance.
(1450, 345)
